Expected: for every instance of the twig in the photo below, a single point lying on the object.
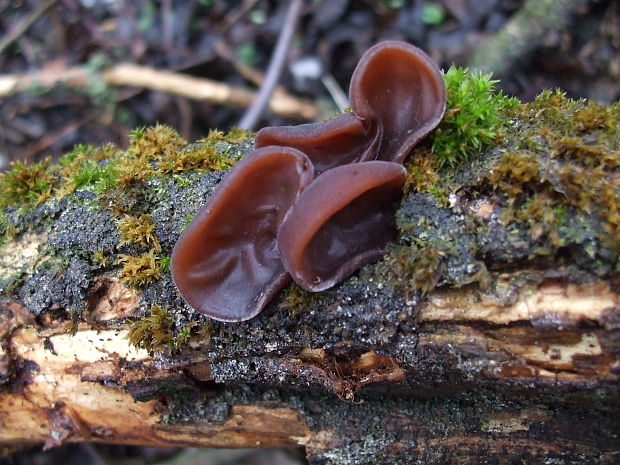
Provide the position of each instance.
(23, 27)
(335, 91)
(173, 83)
(522, 32)
(251, 117)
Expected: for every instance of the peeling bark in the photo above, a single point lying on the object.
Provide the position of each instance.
(537, 388)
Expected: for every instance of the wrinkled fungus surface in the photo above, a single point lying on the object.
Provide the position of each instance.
(228, 263)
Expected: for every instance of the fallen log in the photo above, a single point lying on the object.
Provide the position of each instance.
(490, 331)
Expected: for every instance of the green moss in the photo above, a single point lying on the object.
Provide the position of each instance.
(99, 258)
(156, 332)
(139, 270)
(93, 175)
(474, 116)
(138, 230)
(165, 264)
(83, 168)
(564, 161)
(27, 185)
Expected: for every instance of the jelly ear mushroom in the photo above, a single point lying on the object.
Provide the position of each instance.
(398, 87)
(345, 139)
(342, 221)
(226, 264)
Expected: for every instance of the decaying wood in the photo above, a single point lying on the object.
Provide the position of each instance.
(518, 365)
(81, 387)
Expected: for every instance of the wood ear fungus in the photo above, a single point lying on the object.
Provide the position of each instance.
(399, 88)
(342, 221)
(269, 221)
(397, 96)
(343, 140)
(226, 263)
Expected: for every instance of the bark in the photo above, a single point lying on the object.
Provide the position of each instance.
(515, 360)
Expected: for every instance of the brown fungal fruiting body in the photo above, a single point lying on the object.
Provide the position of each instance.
(342, 221)
(226, 263)
(397, 96)
(259, 228)
(398, 88)
(342, 140)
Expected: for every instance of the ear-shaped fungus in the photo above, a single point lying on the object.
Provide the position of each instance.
(398, 87)
(338, 142)
(397, 96)
(226, 263)
(342, 221)
(260, 224)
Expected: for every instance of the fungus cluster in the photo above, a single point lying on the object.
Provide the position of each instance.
(313, 202)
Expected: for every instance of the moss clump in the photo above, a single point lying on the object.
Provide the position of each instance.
(474, 116)
(112, 173)
(422, 172)
(160, 151)
(552, 112)
(100, 259)
(82, 169)
(27, 185)
(413, 268)
(295, 299)
(205, 158)
(565, 159)
(154, 142)
(234, 136)
(156, 332)
(139, 270)
(423, 175)
(593, 117)
(516, 173)
(138, 230)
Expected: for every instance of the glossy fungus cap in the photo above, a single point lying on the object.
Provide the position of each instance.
(342, 140)
(399, 88)
(342, 221)
(226, 264)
